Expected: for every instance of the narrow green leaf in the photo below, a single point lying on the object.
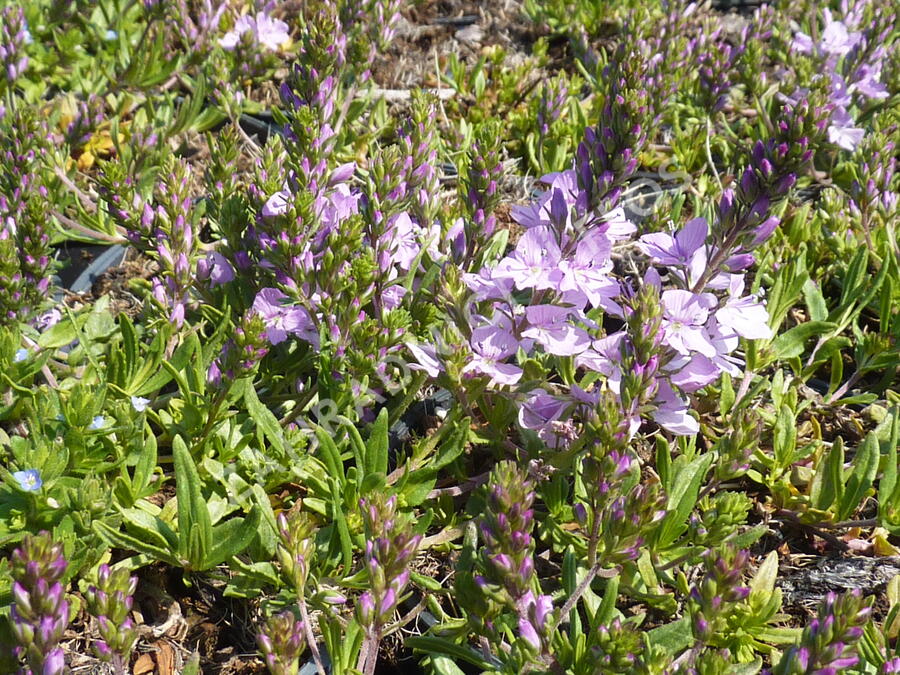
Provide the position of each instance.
(815, 301)
(766, 575)
(176, 364)
(377, 447)
(672, 637)
(265, 419)
(682, 499)
(129, 345)
(232, 537)
(436, 645)
(784, 438)
(151, 529)
(340, 521)
(863, 470)
(193, 516)
(330, 454)
(127, 542)
(828, 479)
(791, 343)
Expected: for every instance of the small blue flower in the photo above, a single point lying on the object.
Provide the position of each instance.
(21, 355)
(29, 480)
(111, 35)
(98, 422)
(139, 403)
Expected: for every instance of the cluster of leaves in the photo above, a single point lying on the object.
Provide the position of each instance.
(367, 406)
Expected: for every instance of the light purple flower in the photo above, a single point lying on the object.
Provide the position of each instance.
(269, 32)
(745, 316)
(276, 205)
(684, 317)
(588, 271)
(139, 403)
(842, 133)
(835, 40)
(867, 81)
(392, 296)
(490, 345)
(48, 319)
(550, 328)
(401, 240)
(672, 412)
(20, 355)
(486, 285)
(534, 263)
(686, 249)
(282, 319)
(216, 268)
(426, 356)
(29, 480)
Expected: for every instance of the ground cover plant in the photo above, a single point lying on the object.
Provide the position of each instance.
(449, 337)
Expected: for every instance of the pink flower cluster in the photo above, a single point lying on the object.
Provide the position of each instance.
(396, 249)
(539, 300)
(850, 70)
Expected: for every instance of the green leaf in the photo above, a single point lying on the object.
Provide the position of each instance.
(815, 301)
(672, 637)
(377, 447)
(194, 525)
(863, 470)
(265, 420)
(784, 439)
(682, 499)
(436, 645)
(340, 522)
(176, 364)
(442, 665)
(792, 343)
(151, 529)
(828, 483)
(232, 537)
(766, 575)
(330, 455)
(127, 542)
(61, 334)
(889, 486)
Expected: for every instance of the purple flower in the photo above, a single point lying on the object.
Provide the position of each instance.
(487, 285)
(139, 403)
(745, 316)
(276, 205)
(842, 133)
(29, 480)
(400, 238)
(427, 359)
(685, 314)
(281, 319)
(550, 328)
(686, 249)
(535, 261)
(541, 412)
(672, 412)
(216, 268)
(588, 271)
(270, 33)
(48, 319)
(891, 666)
(492, 344)
(836, 40)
